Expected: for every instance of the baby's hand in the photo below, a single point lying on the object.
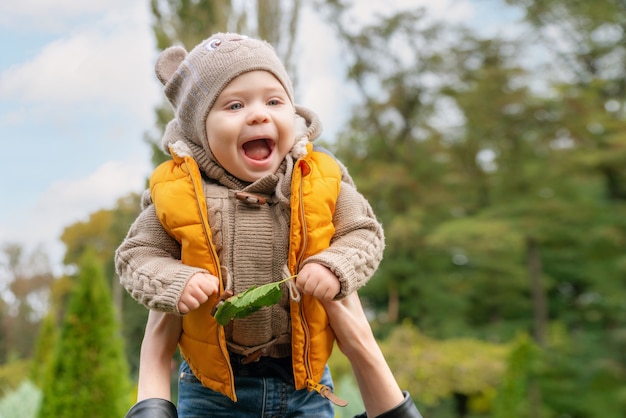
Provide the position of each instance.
(317, 280)
(197, 291)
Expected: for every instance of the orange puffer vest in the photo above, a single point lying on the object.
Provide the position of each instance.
(177, 193)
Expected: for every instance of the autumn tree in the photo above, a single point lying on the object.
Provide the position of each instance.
(101, 234)
(25, 279)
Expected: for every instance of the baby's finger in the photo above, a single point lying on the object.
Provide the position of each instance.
(301, 281)
(183, 308)
(311, 287)
(208, 287)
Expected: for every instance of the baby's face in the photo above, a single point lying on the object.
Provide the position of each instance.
(251, 126)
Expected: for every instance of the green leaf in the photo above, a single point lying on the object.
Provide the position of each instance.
(250, 301)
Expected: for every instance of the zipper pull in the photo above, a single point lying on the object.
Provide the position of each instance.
(326, 392)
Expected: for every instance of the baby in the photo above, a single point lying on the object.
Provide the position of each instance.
(246, 200)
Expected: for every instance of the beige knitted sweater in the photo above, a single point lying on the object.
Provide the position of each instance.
(251, 242)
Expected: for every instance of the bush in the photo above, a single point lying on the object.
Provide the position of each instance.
(23, 402)
(12, 375)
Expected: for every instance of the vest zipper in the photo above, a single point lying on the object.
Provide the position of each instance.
(216, 263)
(323, 390)
(326, 392)
(301, 207)
(305, 326)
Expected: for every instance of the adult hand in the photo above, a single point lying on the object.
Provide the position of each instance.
(378, 387)
(348, 321)
(157, 349)
(197, 291)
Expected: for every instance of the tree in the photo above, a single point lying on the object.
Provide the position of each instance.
(585, 40)
(586, 61)
(25, 279)
(88, 374)
(102, 233)
(188, 22)
(388, 134)
(505, 217)
(48, 337)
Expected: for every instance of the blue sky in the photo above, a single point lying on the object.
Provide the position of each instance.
(77, 94)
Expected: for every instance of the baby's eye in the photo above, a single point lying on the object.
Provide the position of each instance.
(235, 106)
(273, 102)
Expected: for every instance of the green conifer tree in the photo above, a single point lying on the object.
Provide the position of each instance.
(48, 335)
(88, 374)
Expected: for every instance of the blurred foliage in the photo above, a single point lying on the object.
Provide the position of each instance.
(102, 233)
(48, 338)
(512, 395)
(500, 181)
(12, 374)
(345, 385)
(22, 402)
(25, 280)
(499, 173)
(436, 370)
(87, 374)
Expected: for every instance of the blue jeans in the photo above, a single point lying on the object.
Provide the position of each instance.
(257, 397)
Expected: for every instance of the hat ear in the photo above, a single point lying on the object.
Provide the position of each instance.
(168, 62)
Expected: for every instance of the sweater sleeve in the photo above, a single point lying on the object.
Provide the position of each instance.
(148, 264)
(357, 247)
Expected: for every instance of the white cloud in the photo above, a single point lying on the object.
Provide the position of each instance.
(72, 200)
(69, 200)
(13, 117)
(75, 197)
(74, 72)
(108, 63)
(57, 15)
(58, 8)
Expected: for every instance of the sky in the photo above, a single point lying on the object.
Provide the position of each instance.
(78, 93)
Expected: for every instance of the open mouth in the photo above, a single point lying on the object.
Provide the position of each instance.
(258, 149)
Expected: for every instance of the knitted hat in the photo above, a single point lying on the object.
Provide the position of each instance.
(194, 80)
